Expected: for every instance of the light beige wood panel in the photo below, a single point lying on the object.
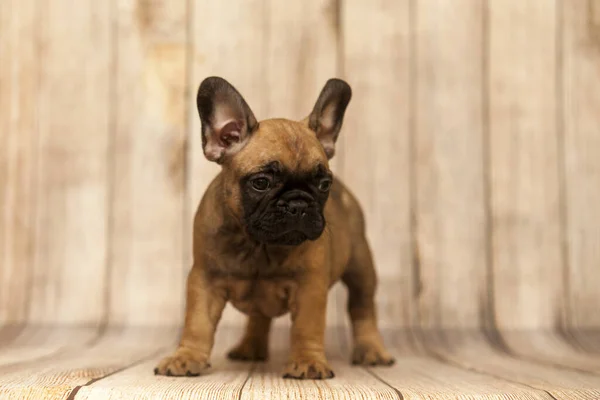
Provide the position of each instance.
(588, 340)
(349, 383)
(301, 53)
(487, 355)
(147, 274)
(18, 154)
(228, 40)
(525, 201)
(139, 382)
(224, 381)
(58, 377)
(238, 380)
(40, 342)
(549, 347)
(451, 221)
(374, 145)
(8, 333)
(68, 282)
(581, 102)
(427, 378)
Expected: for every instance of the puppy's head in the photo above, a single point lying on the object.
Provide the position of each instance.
(276, 172)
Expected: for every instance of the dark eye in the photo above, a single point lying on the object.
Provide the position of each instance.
(261, 184)
(325, 185)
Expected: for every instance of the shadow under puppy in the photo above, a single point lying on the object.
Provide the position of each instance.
(272, 234)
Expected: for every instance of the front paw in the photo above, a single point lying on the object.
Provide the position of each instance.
(371, 354)
(308, 369)
(182, 363)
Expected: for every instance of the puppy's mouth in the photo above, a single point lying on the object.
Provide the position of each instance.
(292, 236)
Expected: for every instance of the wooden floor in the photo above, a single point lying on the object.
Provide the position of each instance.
(117, 363)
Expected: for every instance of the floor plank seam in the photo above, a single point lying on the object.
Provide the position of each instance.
(76, 389)
(397, 391)
(250, 373)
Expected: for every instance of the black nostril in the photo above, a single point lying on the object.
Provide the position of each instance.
(295, 207)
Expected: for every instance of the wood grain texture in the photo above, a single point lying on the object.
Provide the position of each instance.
(301, 54)
(450, 210)
(487, 355)
(139, 382)
(374, 155)
(40, 342)
(525, 199)
(228, 39)
(445, 365)
(147, 160)
(18, 154)
(224, 381)
(427, 378)
(101, 166)
(265, 380)
(68, 279)
(58, 377)
(581, 101)
(349, 383)
(549, 347)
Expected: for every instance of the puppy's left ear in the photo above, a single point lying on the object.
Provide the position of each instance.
(227, 121)
(328, 113)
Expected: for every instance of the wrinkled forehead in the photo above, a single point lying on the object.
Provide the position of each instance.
(291, 144)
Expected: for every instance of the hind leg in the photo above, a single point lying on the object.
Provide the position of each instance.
(254, 345)
(361, 280)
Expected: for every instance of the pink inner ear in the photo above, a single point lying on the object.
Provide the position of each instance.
(328, 119)
(229, 133)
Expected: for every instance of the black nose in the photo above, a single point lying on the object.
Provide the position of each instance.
(294, 207)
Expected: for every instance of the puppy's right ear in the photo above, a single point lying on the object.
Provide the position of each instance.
(227, 121)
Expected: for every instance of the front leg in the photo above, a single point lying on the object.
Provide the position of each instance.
(204, 306)
(307, 358)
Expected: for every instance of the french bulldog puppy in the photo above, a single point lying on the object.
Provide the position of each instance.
(272, 234)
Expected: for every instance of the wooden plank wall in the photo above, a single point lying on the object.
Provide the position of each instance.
(472, 141)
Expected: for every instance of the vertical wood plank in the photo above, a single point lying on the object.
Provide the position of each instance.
(581, 80)
(301, 54)
(227, 39)
(18, 154)
(449, 163)
(147, 203)
(70, 252)
(525, 201)
(374, 145)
